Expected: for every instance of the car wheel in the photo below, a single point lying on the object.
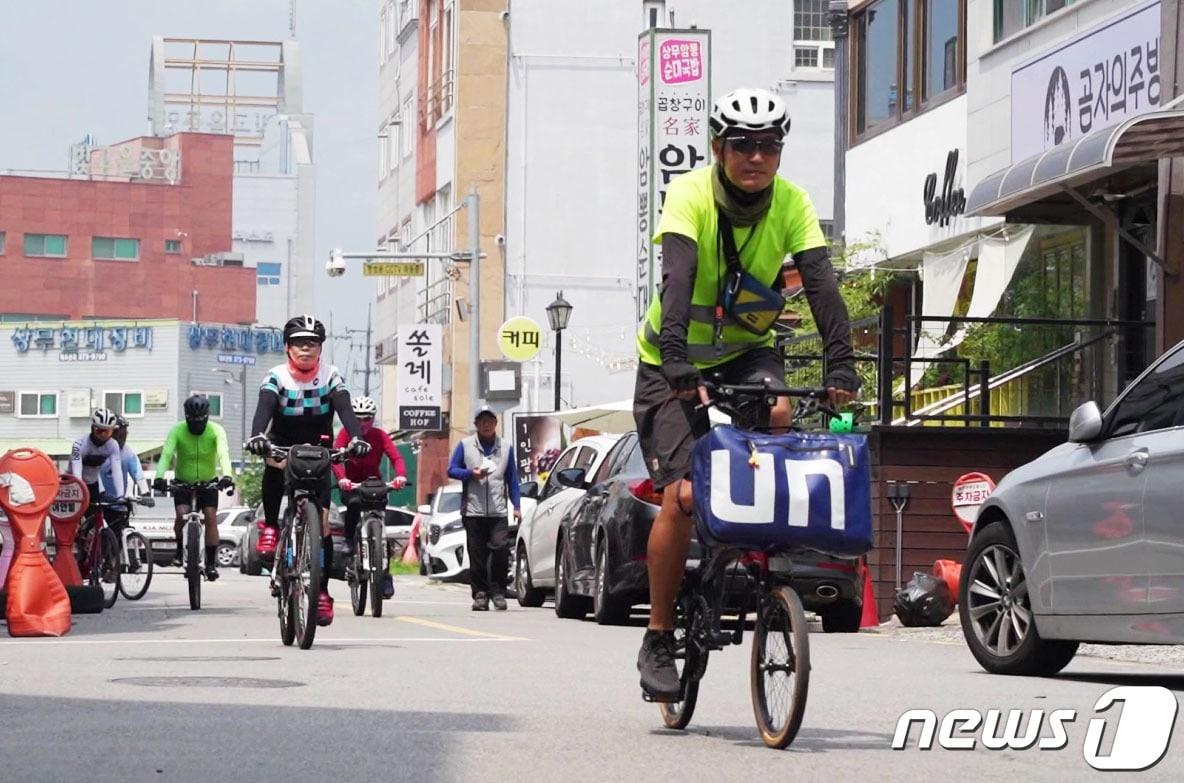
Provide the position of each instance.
(996, 610)
(528, 595)
(567, 606)
(226, 555)
(606, 608)
(843, 617)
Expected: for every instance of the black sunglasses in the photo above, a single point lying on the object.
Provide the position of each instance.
(747, 145)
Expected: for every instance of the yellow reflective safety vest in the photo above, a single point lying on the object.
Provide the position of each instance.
(788, 228)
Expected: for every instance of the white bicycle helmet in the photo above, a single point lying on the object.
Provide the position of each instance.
(364, 406)
(104, 419)
(749, 110)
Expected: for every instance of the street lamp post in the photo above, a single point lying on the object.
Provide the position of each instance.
(557, 313)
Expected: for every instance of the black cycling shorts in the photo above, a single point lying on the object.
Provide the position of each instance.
(668, 427)
(206, 498)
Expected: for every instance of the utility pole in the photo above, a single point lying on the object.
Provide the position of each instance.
(367, 331)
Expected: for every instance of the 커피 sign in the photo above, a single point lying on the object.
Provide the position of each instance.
(419, 390)
(673, 105)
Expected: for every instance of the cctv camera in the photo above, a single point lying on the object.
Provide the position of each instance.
(500, 239)
(336, 265)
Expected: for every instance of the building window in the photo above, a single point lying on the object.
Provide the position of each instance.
(111, 249)
(910, 56)
(1011, 16)
(828, 230)
(406, 137)
(172, 246)
(382, 36)
(813, 47)
(268, 273)
(124, 403)
(384, 153)
(1, 243)
(45, 245)
(215, 399)
(38, 405)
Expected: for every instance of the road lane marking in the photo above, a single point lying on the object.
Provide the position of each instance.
(456, 628)
(272, 640)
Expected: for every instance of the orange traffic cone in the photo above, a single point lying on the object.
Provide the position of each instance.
(871, 615)
(950, 572)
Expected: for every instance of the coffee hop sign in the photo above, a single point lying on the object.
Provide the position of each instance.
(1108, 74)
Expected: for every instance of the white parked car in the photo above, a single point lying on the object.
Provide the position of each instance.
(233, 524)
(442, 534)
(537, 541)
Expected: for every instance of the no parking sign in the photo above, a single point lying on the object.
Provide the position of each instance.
(970, 492)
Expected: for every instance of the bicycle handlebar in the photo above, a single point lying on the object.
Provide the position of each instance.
(336, 456)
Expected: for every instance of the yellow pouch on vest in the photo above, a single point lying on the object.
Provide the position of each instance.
(752, 304)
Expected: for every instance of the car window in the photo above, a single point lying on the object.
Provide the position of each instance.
(585, 458)
(220, 517)
(244, 519)
(1156, 402)
(449, 502)
(565, 461)
(605, 471)
(635, 461)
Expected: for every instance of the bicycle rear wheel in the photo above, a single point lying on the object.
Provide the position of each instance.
(135, 572)
(306, 581)
(109, 567)
(780, 670)
(358, 581)
(377, 565)
(677, 714)
(193, 555)
(284, 605)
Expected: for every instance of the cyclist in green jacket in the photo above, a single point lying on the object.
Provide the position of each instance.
(200, 448)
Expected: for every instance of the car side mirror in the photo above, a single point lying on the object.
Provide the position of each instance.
(1085, 424)
(425, 510)
(529, 489)
(571, 477)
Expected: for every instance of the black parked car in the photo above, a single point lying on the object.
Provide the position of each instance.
(605, 540)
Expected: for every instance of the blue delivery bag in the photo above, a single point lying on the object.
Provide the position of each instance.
(797, 490)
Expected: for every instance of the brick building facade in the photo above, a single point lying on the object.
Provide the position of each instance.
(131, 240)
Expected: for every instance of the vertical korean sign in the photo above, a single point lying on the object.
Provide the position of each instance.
(673, 105)
(419, 378)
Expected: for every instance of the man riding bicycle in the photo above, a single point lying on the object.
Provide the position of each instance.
(97, 452)
(297, 401)
(358, 469)
(133, 474)
(725, 232)
(202, 456)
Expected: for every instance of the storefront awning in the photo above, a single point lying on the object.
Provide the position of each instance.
(1141, 140)
(54, 447)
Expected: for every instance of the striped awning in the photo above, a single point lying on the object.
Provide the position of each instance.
(1141, 140)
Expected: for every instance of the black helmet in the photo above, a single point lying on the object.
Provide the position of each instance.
(121, 423)
(197, 407)
(304, 326)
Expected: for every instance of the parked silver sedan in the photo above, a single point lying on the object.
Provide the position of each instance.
(1085, 543)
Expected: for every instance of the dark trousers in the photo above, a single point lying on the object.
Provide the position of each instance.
(488, 539)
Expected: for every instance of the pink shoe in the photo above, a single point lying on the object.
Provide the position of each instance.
(324, 609)
(268, 538)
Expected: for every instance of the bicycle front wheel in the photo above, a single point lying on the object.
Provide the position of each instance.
(358, 581)
(135, 571)
(193, 555)
(307, 577)
(377, 565)
(109, 567)
(284, 605)
(780, 667)
(692, 663)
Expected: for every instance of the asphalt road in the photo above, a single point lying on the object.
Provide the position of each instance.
(433, 691)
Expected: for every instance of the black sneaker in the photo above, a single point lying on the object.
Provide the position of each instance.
(499, 602)
(655, 661)
(388, 587)
(211, 574)
(480, 603)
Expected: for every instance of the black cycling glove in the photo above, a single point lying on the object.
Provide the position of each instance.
(682, 376)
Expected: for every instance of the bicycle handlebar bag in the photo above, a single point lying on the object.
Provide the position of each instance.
(307, 465)
(373, 493)
(797, 490)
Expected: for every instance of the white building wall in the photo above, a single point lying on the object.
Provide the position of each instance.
(885, 185)
(265, 231)
(571, 173)
(989, 66)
